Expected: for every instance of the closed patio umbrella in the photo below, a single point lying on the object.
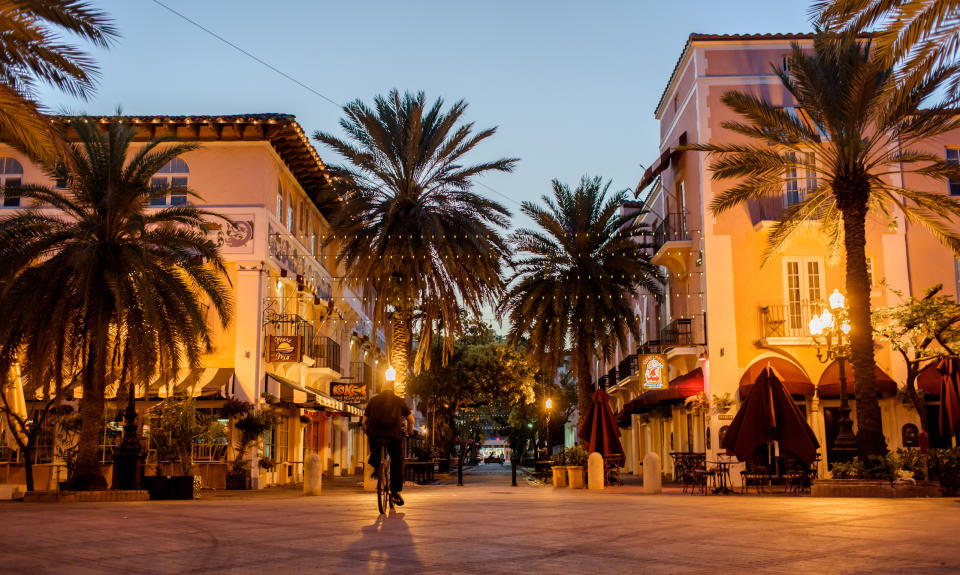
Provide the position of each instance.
(769, 414)
(949, 396)
(600, 432)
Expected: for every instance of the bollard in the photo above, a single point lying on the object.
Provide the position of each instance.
(312, 475)
(652, 481)
(595, 471)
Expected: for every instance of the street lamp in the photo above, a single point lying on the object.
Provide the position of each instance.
(549, 406)
(391, 374)
(828, 331)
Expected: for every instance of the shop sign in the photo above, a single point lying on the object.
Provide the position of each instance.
(283, 348)
(653, 371)
(353, 393)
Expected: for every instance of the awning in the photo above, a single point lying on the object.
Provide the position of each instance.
(680, 388)
(295, 393)
(791, 375)
(829, 385)
(929, 380)
(659, 165)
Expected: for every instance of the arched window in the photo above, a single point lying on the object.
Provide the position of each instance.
(11, 174)
(170, 184)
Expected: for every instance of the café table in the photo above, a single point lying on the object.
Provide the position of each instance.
(722, 467)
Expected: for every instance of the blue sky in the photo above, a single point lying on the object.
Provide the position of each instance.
(571, 85)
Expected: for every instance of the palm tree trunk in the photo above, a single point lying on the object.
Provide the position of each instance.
(401, 327)
(582, 371)
(870, 440)
(87, 475)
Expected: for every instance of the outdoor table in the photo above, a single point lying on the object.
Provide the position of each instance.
(723, 475)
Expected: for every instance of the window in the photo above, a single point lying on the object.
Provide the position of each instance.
(803, 284)
(290, 215)
(169, 185)
(11, 174)
(785, 63)
(280, 202)
(800, 178)
(953, 156)
(870, 271)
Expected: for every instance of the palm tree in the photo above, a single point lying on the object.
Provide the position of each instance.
(575, 279)
(855, 131)
(32, 52)
(410, 225)
(104, 285)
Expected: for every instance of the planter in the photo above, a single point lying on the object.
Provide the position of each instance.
(238, 479)
(874, 488)
(559, 476)
(575, 477)
(161, 487)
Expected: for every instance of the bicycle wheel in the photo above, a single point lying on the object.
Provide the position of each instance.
(383, 483)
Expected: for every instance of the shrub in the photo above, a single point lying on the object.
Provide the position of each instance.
(577, 456)
(844, 470)
(912, 460)
(945, 466)
(560, 458)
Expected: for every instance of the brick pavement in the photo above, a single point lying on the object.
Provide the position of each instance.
(484, 527)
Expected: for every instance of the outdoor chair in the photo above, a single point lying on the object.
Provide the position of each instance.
(611, 469)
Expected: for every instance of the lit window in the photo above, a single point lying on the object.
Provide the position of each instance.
(953, 156)
(169, 185)
(11, 175)
(290, 216)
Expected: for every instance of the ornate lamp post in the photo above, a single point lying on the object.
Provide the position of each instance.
(128, 458)
(828, 331)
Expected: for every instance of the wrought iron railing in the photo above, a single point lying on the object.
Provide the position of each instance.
(627, 367)
(671, 228)
(681, 332)
(790, 319)
(326, 353)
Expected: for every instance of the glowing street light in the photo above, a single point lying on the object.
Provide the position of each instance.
(390, 374)
(827, 331)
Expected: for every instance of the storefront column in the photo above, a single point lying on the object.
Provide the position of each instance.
(337, 446)
(820, 430)
(345, 454)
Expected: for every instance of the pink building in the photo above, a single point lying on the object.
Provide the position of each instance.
(724, 316)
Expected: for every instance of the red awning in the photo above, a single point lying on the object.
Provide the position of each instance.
(929, 379)
(682, 387)
(794, 379)
(829, 385)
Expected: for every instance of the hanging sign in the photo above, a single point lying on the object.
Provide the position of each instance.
(353, 393)
(283, 348)
(653, 371)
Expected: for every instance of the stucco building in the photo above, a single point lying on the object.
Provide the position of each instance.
(300, 325)
(723, 316)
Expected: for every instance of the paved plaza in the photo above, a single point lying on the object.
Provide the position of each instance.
(484, 527)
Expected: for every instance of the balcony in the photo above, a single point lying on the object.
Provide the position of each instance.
(627, 367)
(681, 332)
(771, 208)
(326, 353)
(785, 321)
(672, 243)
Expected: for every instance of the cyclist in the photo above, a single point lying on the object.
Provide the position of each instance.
(383, 419)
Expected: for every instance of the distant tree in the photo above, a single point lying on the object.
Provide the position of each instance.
(482, 371)
(921, 330)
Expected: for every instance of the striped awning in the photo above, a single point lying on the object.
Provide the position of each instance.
(293, 392)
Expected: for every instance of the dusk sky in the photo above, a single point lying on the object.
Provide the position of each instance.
(571, 85)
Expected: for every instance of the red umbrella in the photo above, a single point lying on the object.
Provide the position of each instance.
(769, 414)
(600, 432)
(949, 396)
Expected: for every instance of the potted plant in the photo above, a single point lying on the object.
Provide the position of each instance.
(176, 429)
(559, 467)
(576, 464)
(250, 424)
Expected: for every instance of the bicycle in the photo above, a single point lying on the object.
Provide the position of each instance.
(383, 478)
